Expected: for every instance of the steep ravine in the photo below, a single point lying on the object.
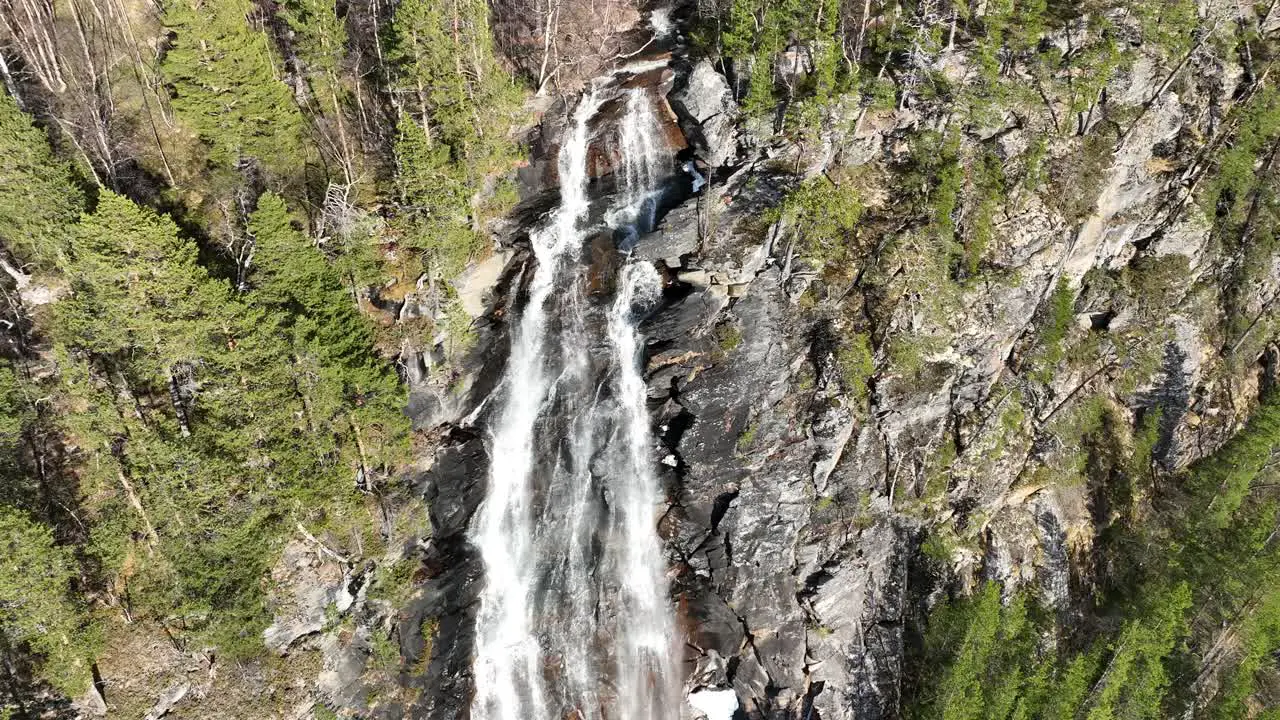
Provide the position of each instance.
(794, 517)
(617, 360)
(765, 574)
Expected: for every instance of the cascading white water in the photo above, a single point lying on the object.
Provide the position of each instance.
(646, 656)
(641, 163)
(575, 619)
(508, 663)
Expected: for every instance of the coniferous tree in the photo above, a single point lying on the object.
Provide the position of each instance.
(227, 88)
(38, 197)
(142, 340)
(346, 391)
(37, 612)
(139, 291)
(320, 45)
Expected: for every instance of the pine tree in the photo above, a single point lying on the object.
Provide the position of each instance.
(139, 291)
(37, 612)
(430, 66)
(39, 199)
(319, 43)
(447, 73)
(346, 389)
(227, 88)
(434, 199)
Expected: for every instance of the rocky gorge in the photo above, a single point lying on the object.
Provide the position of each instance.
(795, 568)
(971, 317)
(793, 518)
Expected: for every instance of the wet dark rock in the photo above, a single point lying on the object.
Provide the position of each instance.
(675, 237)
(679, 321)
(541, 177)
(604, 151)
(452, 486)
(789, 551)
(439, 625)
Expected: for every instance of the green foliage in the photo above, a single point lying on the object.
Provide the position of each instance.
(1169, 25)
(857, 366)
(1055, 322)
(738, 34)
(1216, 557)
(434, 195)
(320, 37)
(1098, 61)
(38, 196)
(1135, 679)
(1259, 639)
(319, 44)
(139, 291)
(455, 138)
(1226, 478)
(824, 215)
(828, 55)
(939, 547)
(37, 611)
(997, 666)
(212, 426)
(1078, 176)
(1035, 173)
(936, 169)
(992, 648)
(446, 69)
(1228, 191)
(1241, 198)
(345, 389)
(748, 436)
(988, 183)
(728, 337)
(986, 96)
(1155, 283)
(227, 88)
(759, 101)
(754, 33)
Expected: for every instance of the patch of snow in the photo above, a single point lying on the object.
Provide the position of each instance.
(715, 704)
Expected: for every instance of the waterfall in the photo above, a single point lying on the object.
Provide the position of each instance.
(575, 618)
(647, 652)
(641, 164)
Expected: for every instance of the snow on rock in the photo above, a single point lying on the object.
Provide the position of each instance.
(714, 704)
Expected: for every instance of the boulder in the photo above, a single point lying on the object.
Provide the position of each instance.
(707, 101)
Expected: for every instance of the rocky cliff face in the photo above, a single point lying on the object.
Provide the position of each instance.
(795, 512)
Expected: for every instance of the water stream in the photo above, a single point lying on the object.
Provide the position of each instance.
(575, 620)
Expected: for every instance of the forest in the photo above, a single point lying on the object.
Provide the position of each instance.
(231, 230)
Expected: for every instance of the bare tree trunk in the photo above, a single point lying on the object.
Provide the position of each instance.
(550, 22)
(97, 98)
(364, 456)
(136, 503)
(348, 157)
(9, 83)
(28, 24)
(145, 86)
(862, 31)
(175, 397)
